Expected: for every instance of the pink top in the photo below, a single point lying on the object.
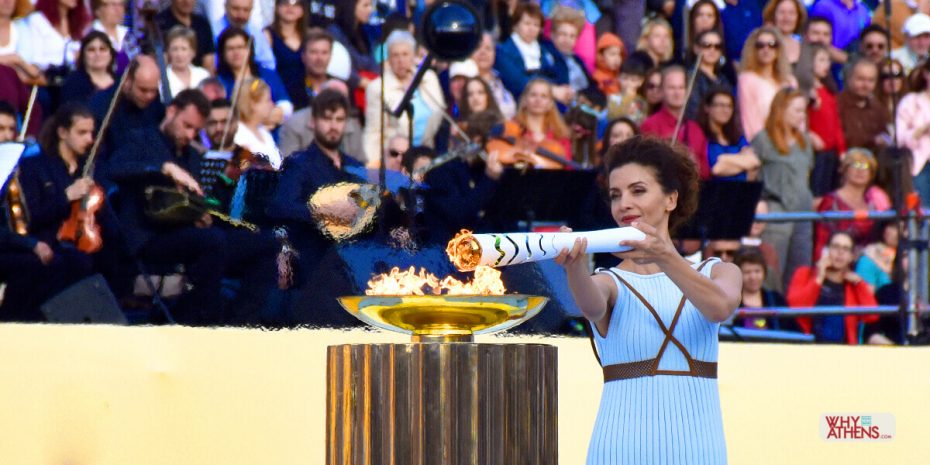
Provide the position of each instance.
(913, 113)
(755, 95)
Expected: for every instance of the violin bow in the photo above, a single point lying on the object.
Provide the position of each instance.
(237, 89)
(92, 158)
(28, 115)
(681, 116)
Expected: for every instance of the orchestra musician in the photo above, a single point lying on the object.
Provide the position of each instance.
(537, 135)
(164, 156)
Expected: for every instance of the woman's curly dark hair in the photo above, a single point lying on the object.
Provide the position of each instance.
(672, 165)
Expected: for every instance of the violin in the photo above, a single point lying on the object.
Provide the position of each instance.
(243, 159)
(514, 149)
(19, 213)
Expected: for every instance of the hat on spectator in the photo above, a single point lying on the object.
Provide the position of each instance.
(917, 24)
(465, 68)
(608, 40)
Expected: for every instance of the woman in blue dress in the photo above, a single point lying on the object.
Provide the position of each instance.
(655, 318)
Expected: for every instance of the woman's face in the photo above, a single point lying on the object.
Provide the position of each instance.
(636, 195)
(235, 52)
(840, 252)
(766, 48)
(484, 54)
(654, 89)
(704, 18)
(400, 59)
(890, 235)
(753, 276)
(363, 11)
(476, 95)
(711, 48)
(892, 79)
(786, 17)
(528, 28)
(97, 56)
(796, 113)
(6, 8)
(721, 110)
(180, 53)
(564, 38)
(538, 99)
(659, 40)
(263, 107)
(291, 13)
(619, 133)
(822, 64)
(110, 12)
(858, 173)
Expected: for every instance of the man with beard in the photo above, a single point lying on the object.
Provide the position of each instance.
(164, 156)
(37, 265)
(303, 173)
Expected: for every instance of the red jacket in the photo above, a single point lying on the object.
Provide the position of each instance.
(804, 292)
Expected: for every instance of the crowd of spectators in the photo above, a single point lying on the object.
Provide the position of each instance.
(805, 97)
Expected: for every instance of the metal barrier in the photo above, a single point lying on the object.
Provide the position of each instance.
(791, 312)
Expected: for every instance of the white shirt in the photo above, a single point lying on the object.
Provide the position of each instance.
(197, 75)
(531, 53)
(42, 45)
(261, 143)
(117, 41)
(10, 47)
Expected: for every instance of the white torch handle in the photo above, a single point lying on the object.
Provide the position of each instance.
(515, 248)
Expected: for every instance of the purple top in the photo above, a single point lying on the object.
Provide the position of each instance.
(847, 23)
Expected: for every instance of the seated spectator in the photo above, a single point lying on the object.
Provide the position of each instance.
(213, 88)
(848, 18)
(108, 18)
(608, 63)
(586, 36)
(663, 123)
(181, 48)
(537, 127)
(181, 13)
(297, 132)
(917, 46)
(655, 47)
(892, 84)
(709, 46)
(525, 55)
(395, 152)
(484, 57)
(724, 249)
(764, 70)
(901, 10)
(349, 31)
(755, 294)
(629, 103)
(459, 72)
(651, 90)
(819, 30)
(478, 97)
(315, 56)
(8, 126)
(856, 193)
(826, 130)
(788, 17)
(255, 108)
(237, 16)
(221, 116)
(873, 44)
(96, 66)
(864, 118)
(703, 16)
(427, 101)
(617, 131)
(567, 24)
(787, 160)
(48, 39)
(728, 153)
(832, 283)
(876, 264)
(754, 240)
(236, 62)
(285, 34)
(913, 124)
(12, 53)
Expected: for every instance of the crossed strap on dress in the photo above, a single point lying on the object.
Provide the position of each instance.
(650, 367)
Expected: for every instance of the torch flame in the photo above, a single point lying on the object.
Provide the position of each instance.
(487, 281)
(464, 251)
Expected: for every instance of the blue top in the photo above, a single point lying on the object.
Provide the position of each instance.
(715, 149)
(289, 68)
(667, 419)
(278, 90)
(741, 19)
(510, 66)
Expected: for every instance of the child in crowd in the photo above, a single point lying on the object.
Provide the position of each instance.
(629, 102)
(608, 62)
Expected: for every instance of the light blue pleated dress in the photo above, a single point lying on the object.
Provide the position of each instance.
(659, 419)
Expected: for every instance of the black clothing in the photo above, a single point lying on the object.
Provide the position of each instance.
(201, 27)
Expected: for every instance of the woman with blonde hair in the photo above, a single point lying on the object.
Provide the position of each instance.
(764, 70)
(255, 107)
(788, 16)
(655, 46)
(538, 123)
(181, 48)
(787, 159)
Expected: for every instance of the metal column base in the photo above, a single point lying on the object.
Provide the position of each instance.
(442, 404)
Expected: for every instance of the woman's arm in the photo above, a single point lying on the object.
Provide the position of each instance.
(733, 164)
(593, 294)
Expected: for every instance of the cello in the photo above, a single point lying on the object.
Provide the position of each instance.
(81, 227)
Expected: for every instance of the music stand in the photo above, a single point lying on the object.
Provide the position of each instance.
(726, 210)
(539, 195)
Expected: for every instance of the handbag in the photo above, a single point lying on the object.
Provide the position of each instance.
(171, 206)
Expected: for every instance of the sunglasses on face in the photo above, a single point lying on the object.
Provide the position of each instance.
(874, 46)
(760, 44)
(394, 153)
(860, 165)
(652, 86)
(892, 75)
(725, 253)
(711, 45)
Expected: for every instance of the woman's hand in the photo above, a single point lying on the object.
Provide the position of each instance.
(574, 260)
(652, 249)
(822, 266)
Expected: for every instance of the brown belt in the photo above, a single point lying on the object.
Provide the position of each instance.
(649, 367)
